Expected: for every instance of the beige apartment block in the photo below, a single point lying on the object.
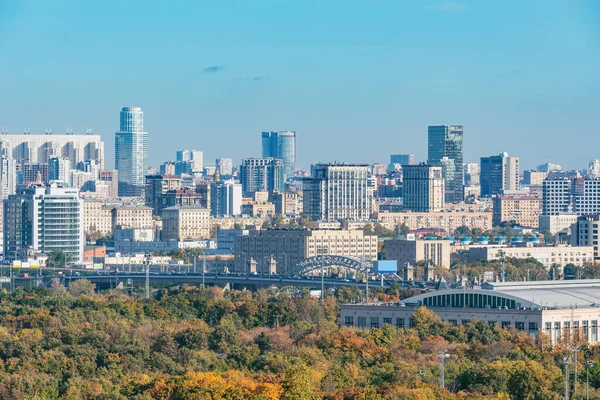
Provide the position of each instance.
(522, 210)
(181, 223)
(289, 246)
(97, 217)
(132, 217)
(447, 221)
(412, 251)
(561, 254)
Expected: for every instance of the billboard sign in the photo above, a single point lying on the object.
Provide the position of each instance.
(386, 266)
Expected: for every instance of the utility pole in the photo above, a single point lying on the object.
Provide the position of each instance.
(203, 268)
(567, 361)
(277, 316)
(442, 358)
(588, 364)
(147, 277)
(322, 281)
(503, 277)
(575, 352)
(367, 275)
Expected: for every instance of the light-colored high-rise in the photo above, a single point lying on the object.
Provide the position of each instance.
(131, 152)
(28, 148)
(338, 192)
(262, 175)
(45, 219)
(225, 198)
(8, 177)
(423, 188)
(499, 175)
(224, 167)
(59, 169)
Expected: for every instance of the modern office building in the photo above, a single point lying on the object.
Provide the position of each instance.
(59, 169)
(472, 174)
(402, 159)
(517, 209)
(45, 219)
(579, 196)
(563, 310)
(409, 249)
(194, 158)
(224, 167)
(28, 148)
(156, 187)
(499, 175)
(225, 198)
(585, 233)
(262, 175)
(183, 223)
(131, 152)
(8, 177)
(286, 247)
(423, 188)
(338, 192)
(281, 145)
(447, 141)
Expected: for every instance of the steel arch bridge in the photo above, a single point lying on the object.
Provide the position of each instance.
(317, 262)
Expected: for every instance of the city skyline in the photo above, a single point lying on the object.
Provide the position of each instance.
(376, 70)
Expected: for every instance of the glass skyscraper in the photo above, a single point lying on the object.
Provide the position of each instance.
(281, 145)
(447, 141)
(131, 152)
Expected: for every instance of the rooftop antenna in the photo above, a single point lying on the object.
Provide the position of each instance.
(89, 131)
(69, 131)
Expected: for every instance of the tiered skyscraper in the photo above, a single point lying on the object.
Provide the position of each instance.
(131, 152)
(447, 141)
(281, 145)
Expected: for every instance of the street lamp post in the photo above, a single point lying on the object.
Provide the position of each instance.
(285, 263)
(442, 355)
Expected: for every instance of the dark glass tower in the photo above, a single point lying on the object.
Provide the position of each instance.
(447, 141)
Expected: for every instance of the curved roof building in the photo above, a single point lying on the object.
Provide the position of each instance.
(561, 309)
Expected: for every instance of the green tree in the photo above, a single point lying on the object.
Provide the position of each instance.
(82, 287)
(298, 384)
(58, 259)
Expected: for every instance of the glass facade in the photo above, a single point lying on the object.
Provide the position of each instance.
(131, 152)
(281, 145)
(447, 141)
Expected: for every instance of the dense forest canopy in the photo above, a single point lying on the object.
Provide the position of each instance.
(202, 343)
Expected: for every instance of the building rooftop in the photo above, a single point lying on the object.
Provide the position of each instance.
(533, 294)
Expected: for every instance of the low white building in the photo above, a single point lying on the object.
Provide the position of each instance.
(560, 309)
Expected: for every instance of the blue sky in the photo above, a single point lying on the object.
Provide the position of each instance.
(357, 79)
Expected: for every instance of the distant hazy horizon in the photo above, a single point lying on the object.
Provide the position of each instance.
(357, 80)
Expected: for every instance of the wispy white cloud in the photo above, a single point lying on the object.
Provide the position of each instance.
(212, 69)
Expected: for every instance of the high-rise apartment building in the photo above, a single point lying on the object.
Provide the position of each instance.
(519, 209)
(423, 188)
(46, 219)
(32, 173)
(534, 178)
(262, 175)
(499, 175)
(281, 145)
(224, 167)
(225, 198)
(402, 159)
(131, 152)
(579, 196)
(447, 141)
(8, 177)
(471, 174)
(28, 148)
(59, 169)
(111, 178)
(195, 159)
(585, 233)
(338, 192)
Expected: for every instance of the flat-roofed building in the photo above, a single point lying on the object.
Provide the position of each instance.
(522, 210)
(289, 246)
(566, 311)
(547, 255)
(132, 217)
(182, 223)
(440, 220)
(410, 250)
(97, 217)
